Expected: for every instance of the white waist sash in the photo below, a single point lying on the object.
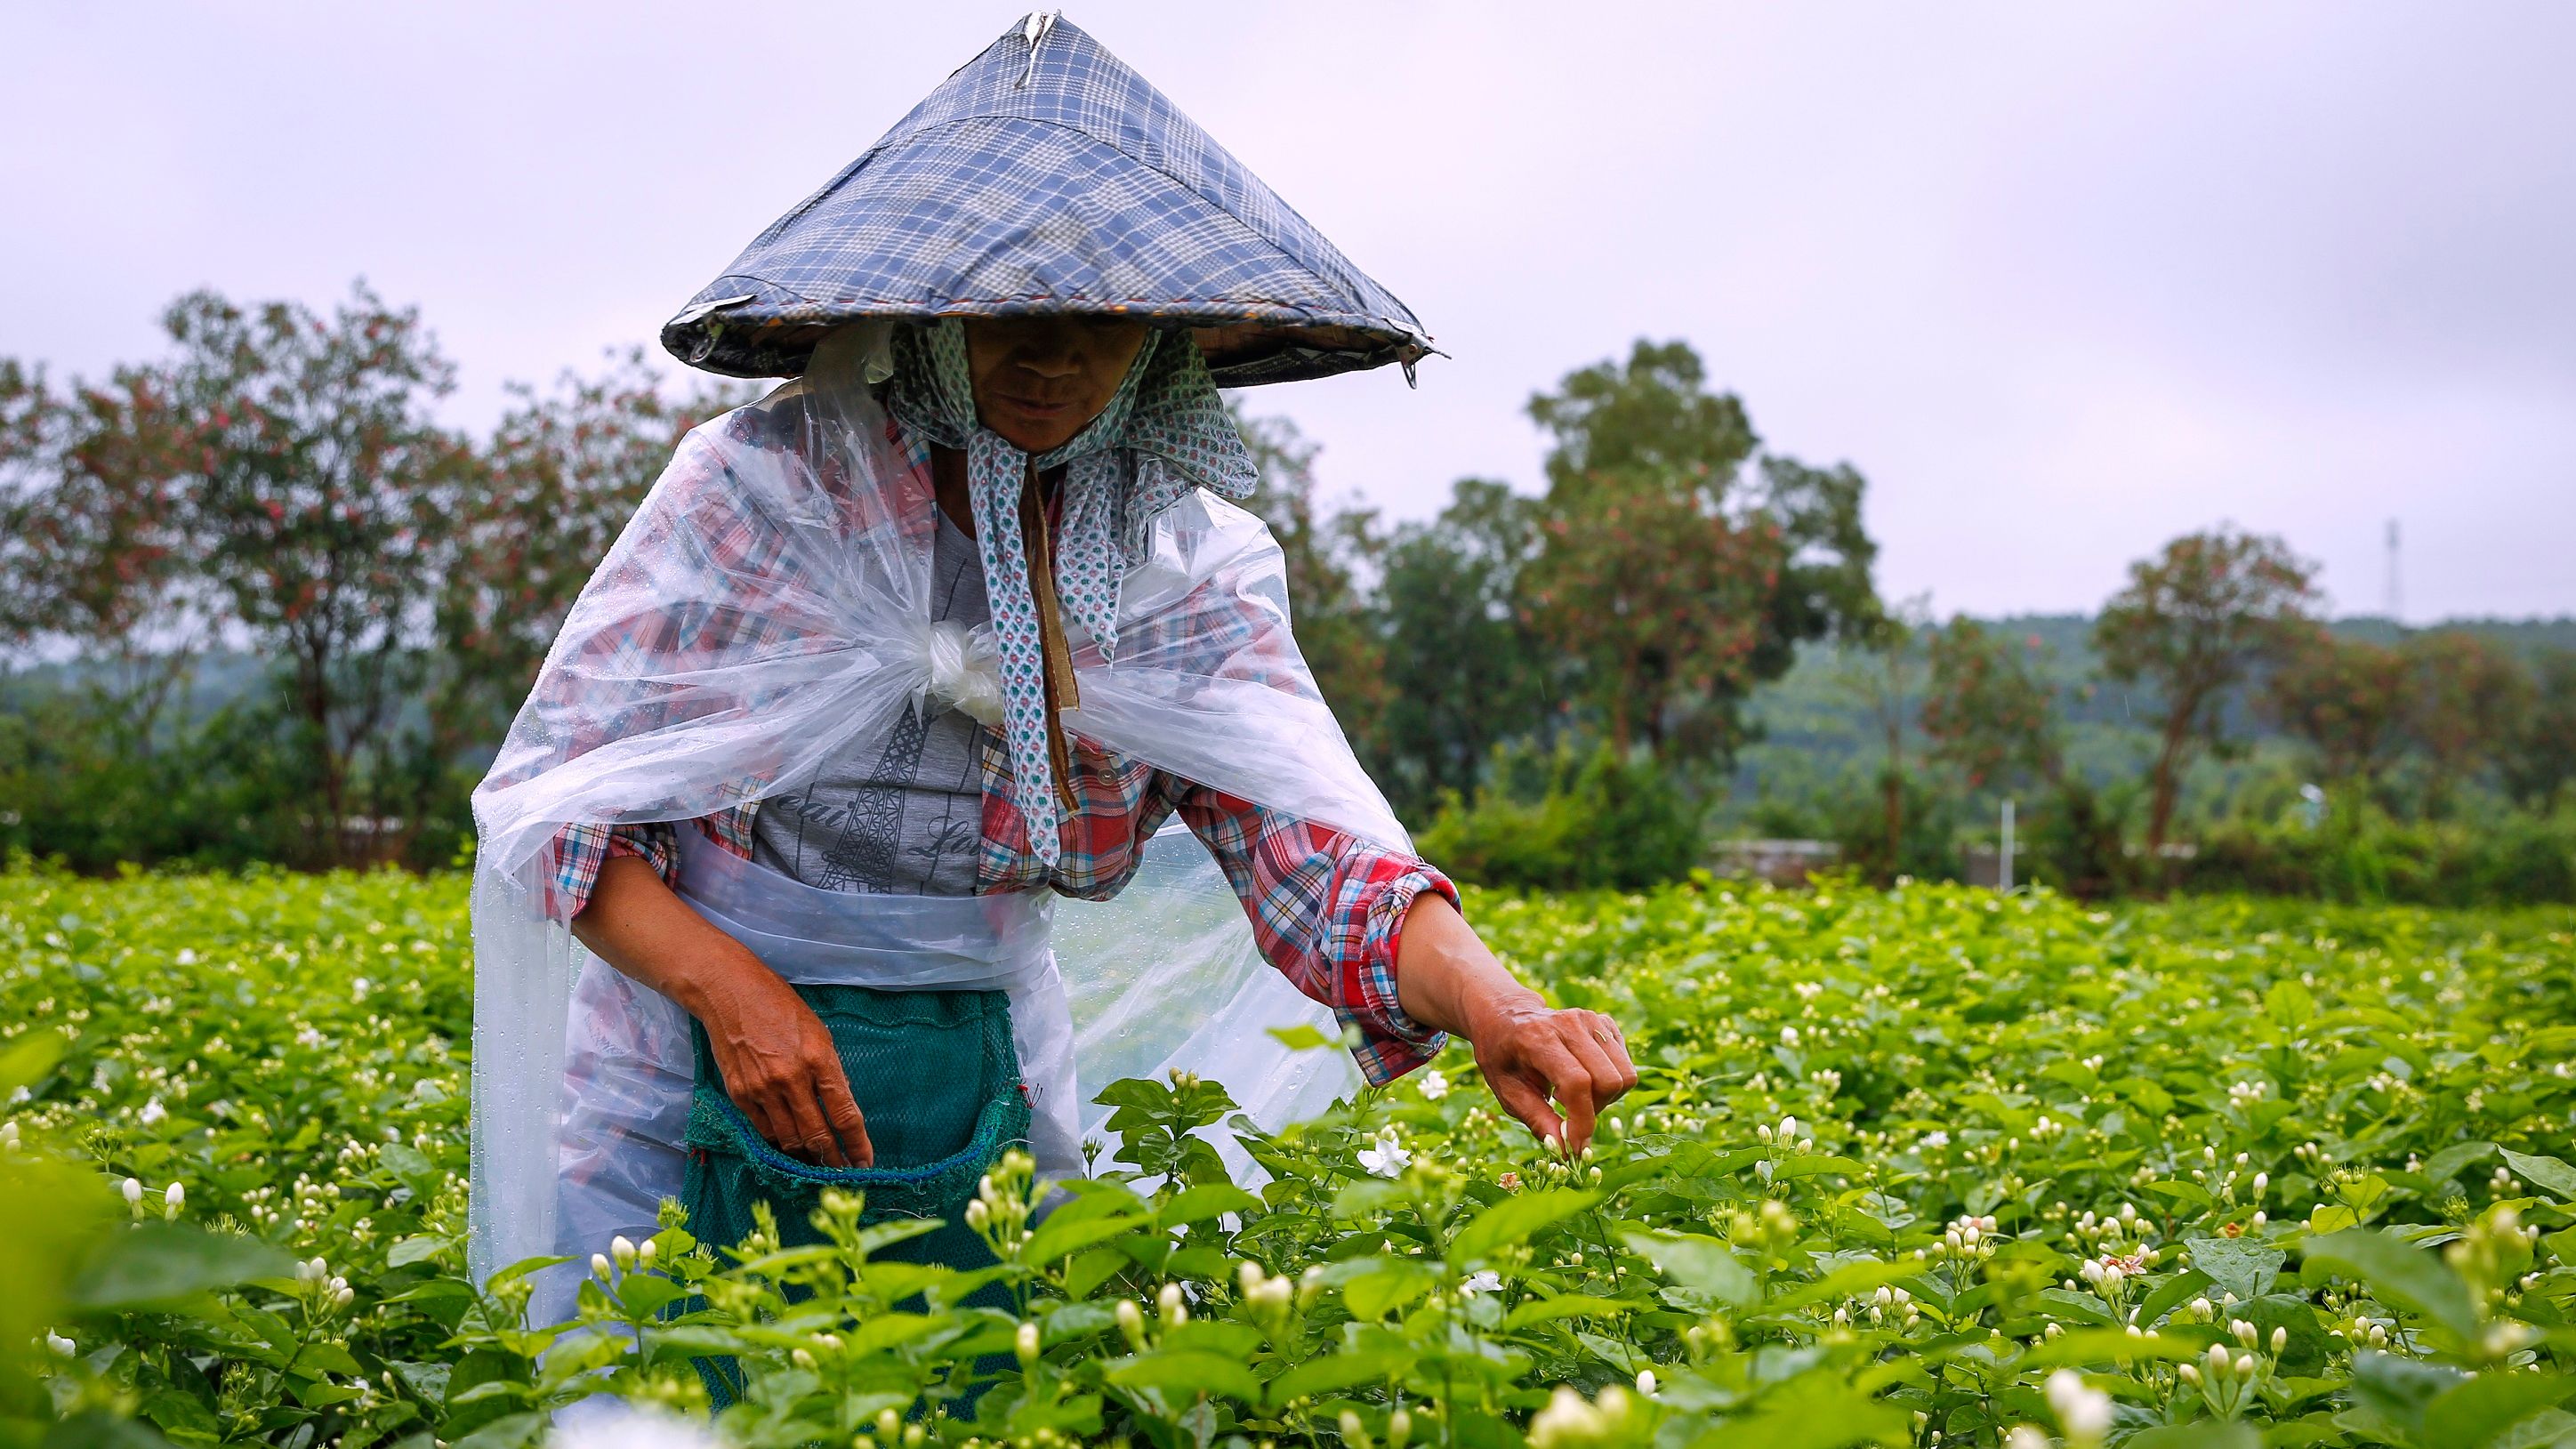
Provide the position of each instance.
(628, 1068)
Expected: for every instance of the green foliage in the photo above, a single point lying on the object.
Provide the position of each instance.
(1594, 820)
(1329, 551)
(1922, 844)
(1898, 1161)
(1990, 712)
(2358, 852)
(2194, 622)
(1674, 573)
(2074, 839)
(1467, 669)
(2464, 703)
(2541, 761)
(2345, 699)
(279, 477)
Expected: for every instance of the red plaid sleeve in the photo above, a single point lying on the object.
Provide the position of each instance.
(580, 851)
(1327, 909)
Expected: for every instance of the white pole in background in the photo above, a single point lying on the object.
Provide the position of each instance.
(2003, 880)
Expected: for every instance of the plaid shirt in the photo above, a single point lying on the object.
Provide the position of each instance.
(1327, 908)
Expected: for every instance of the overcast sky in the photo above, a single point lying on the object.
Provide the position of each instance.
(2061, 280)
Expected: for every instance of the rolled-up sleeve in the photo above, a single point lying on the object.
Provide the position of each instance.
(580, 851)
(1327, 910)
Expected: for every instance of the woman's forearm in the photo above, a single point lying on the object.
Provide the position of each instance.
(1531, 1054)
(639, 925)
(1446, 977)
(775, 1055)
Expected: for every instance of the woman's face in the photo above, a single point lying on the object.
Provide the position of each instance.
(1041, 380)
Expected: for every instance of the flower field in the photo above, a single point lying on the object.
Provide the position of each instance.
(1915, 1167)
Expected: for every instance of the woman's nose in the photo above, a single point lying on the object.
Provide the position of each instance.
(1050, 363)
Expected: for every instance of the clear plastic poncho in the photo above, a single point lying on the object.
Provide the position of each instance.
(768, 605)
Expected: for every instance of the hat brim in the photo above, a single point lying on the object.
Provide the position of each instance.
(929, 225)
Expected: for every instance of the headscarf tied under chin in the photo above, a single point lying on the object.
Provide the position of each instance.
(1164, 432)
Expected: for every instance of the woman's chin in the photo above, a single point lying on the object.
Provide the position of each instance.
(1034, 440)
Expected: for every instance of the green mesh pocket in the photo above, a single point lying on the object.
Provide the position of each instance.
(938, 1080)
(937, 1077)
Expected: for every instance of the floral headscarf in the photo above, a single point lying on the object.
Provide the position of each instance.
(1164, 432)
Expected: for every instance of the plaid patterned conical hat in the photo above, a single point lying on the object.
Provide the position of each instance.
(1046, 176)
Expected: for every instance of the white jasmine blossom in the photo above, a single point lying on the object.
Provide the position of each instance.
(1388, 1158)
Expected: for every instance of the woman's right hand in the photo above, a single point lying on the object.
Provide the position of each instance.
(773, 1051)
(780, 1068)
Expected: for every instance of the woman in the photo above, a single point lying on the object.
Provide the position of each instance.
(946, 627)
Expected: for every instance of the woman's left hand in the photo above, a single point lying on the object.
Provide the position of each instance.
(1528, 1051)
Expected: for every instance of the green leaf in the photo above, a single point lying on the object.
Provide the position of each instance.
(1817, 1419)
(1199, 1261)
(1237, 1341)
(95, 1429)
(2084, 1346)
(511, 1431)
(2547, 1172)
(415, 1250)
(1056, 1238)
(644, 1294)
(162, 1262)
(2203, 1434)
(2236, 1265)
(2191, 1193)
(2289, 1004)
(2400, 1390)
(1565, 1305)
(325, 1358)
(2170, 1293)
(1324, 1374)
(410, 1165)
(1393, 1283)
(1300, 1038)
(1364, 1195)
(1066, 1322)
(524, 1267)
(182, 1413)
(1813, 1165)
(2484, 1407)
(1514, 1219)
(2448, 1162)
(1695, 1261)
(2398, 1274)
(1186, 1373)
(1198, 1204)
(26, 1063)
(1084, 1275)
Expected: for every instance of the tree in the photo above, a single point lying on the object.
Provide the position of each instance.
(2540, 762)
(93, 544)
(531, 519)
(1459, 656)
(2194, 622)
(1989, 714)
(2463, 699)
(1674, 576)
(1329, 552)
(2345, 699)
(315, 488)
(1886, 680)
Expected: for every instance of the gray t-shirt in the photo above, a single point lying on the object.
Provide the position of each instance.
(901, 814)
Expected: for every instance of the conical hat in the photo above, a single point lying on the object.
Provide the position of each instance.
(1046, 176)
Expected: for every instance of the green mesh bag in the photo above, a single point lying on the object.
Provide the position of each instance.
(938, 1078)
